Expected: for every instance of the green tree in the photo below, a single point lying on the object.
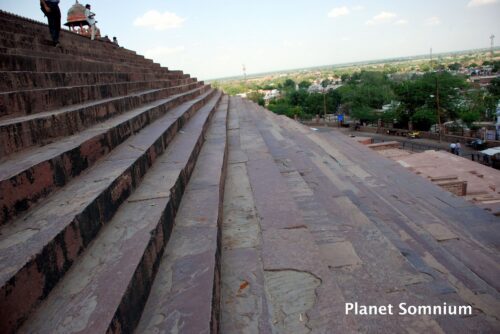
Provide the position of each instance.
(289, 85)
(389, 116)
(313, 104)
(422, 92)
(469, 117)
(256, 97)
(494, 88)
(364, 114)
(454, 66)
(325, 83)
(304, 84)
(333, 100)
(424, 118)
(298, 98)
(370, 89)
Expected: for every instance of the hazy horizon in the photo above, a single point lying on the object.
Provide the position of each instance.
(361, 62)
(214, 39)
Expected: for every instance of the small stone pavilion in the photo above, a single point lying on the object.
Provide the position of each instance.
(77, 22)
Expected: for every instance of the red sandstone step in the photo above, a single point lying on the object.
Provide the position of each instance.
(78, 46)
(132, 243)
(29, 176)
(37, 64)
(375, 249)
(12, 24)
(21, 41)
(27, 108)
(33, 101)
(72, 44)
(18, 133)
(190, 302)
(287, 243)
(23, 27)
(44, 49)
(24, 32)
(12, 81)
(39, 248)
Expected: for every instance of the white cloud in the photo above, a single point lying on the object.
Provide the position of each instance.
(382, 17)
(477, 3)
(344, 10)
(339, 11)
(162, 51)
(401, 22)
(292, 44)
(433, 21)
(159, 21)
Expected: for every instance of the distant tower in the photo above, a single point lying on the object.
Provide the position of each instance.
(492, 37)
(244, 71)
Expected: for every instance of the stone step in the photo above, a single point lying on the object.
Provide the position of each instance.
(23, 42)
(37, 64)
(31, 175)
(340, 228)
(39, 32)
(301, 293)
(27, 102)
(40, 248)
(18, 133)
(132, 243)
(244, 304)
(185, 296)
(12, 81)
(414, 229)
(22, 35)
(97, 50)
(33, 46)
(23, 38)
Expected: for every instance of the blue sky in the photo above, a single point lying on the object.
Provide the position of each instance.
(211, 39)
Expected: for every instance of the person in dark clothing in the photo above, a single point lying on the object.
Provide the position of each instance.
(51, 9)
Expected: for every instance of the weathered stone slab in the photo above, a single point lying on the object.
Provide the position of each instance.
(440, 232)
(339, 254)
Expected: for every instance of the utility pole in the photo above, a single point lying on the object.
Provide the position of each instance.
(324, 107)
(437, 106)
(244, 72)
(432, 67)
(492, 38)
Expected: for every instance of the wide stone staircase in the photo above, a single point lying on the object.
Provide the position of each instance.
(136, 199)
(98, 146)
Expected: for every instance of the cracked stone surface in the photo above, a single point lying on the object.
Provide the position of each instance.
(292, 295)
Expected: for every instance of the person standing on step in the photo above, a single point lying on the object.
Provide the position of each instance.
(51, 9)
(458, 148)
(91, 21)
(453, 147)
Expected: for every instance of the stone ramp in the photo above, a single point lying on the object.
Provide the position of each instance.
(384, 236)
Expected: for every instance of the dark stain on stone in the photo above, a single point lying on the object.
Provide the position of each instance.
(21, 205)
(59, 174)
(78, 163)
